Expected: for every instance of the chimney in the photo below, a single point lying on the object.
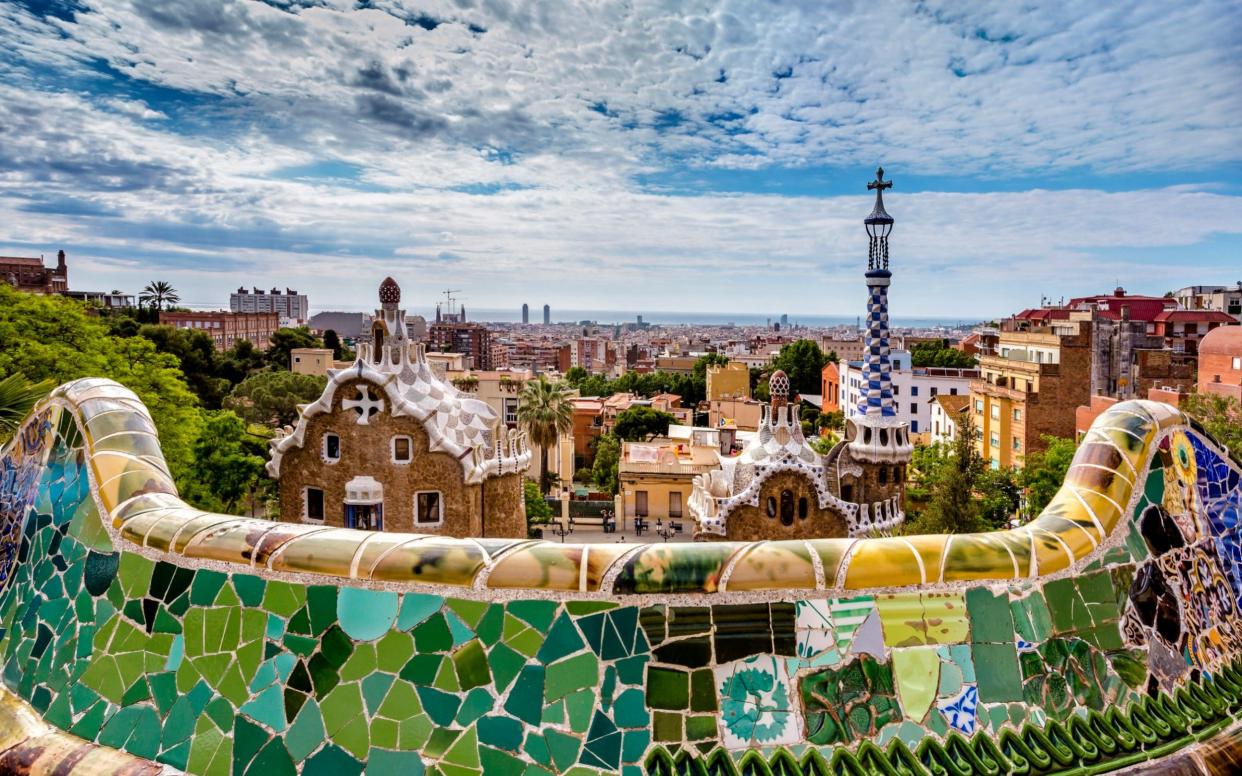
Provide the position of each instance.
(61, 267)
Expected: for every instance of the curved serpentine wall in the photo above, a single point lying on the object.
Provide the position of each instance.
(138, 634)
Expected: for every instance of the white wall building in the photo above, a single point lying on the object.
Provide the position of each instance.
(292, 307)
(912, 387)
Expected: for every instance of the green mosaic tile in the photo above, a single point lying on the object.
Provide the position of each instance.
(476, 703)
(630, 709)
(365, 615)
(440, 706)
(702, 691)
(433, 635)
(578, 708)
(563, 748)
(249, 589)
(579, 608)
(321, 606)
(990, 618)
(536, 613)
(306, 733)
(393, 651)
(562, 640)
(668, 688)
(667, 726)
(500, 732)
(283, 598)
(526, 698)
(700, 728)
(333, 761)
(996, 669)
(471, 665)
(415, 608)
(571, 674)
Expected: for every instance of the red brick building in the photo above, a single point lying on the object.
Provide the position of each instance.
(226, 328)
(1220, 362)
(1183, 329)
(29, 274)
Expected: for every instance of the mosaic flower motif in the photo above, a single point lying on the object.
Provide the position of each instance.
(754, 702)
(959, 711)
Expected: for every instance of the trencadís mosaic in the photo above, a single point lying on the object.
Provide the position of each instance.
(1104, 634)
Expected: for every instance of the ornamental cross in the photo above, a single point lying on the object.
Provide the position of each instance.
(879, 182)
(364, 405)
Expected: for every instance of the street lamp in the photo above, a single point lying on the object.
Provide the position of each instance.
(879, 223)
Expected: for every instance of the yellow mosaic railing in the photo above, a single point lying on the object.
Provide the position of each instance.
(141, 503)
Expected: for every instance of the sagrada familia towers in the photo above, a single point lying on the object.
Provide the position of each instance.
(780, 488)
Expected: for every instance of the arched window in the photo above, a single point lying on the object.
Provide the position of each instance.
(884, 437)
(883, 475)
(787, 507)
(771, 506)
(802, 508)
(378, 337)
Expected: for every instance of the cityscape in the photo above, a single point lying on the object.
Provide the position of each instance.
(754, 409)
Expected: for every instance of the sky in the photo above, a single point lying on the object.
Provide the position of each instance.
(633, 155)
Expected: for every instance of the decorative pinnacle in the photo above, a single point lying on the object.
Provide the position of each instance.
(879, 182)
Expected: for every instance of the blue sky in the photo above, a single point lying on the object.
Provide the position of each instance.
(624, 155)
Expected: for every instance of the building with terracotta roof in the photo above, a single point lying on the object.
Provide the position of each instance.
(946, 414)
(1227, 299)
(391, 445)
(1220, 362)
(1182, 330)
(226, 328)
(27, 273)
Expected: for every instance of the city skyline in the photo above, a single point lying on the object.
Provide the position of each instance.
(620, 160)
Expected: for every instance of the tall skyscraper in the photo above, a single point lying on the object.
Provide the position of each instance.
(547, 315)
(525, 313)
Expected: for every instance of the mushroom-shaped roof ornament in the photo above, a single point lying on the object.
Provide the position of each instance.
(778, 388)
(389, 293)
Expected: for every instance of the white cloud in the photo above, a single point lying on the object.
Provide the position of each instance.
(182, 166)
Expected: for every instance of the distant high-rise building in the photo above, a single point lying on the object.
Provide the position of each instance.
(640, 320)
(784, 321)
(451, 333)
(547, 315)
(525, 313)
(291, 306)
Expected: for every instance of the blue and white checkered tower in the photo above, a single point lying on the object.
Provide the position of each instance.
(877, 401)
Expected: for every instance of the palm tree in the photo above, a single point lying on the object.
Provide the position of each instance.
(159, 295)
(18, 396)
(545, 413)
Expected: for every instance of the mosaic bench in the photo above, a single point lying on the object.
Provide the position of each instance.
(138, 634)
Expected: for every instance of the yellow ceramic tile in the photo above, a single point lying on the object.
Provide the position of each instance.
(981, 556)
(232, 541)
(830, 552)
(136, 528)
(887, 562)
(1051, 555)
(901, 616)
(600, 559)
(328, 551)
(432, 561)
(145, 479)
(782, 565)
(377, 546)
(119, 421)
(539, 567)
(147, 502)
(1069, 515)
(136, 443)
(162, 533)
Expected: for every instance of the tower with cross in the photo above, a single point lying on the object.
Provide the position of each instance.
(877, 400)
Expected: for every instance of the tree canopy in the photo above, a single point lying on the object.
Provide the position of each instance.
(545, 413)
(939, 354)
(960, 493)
(639, 424)
(284, 341)
(272, 398)
(1220, 415)
(1044, 472)
(224, 468)
(605, 469)
(803, 362)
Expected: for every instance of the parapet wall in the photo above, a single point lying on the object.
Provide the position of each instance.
(137, 633)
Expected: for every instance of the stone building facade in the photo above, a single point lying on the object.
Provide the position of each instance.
(392, 446)
(27, 273)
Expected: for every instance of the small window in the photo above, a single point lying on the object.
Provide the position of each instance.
(312, 504)
(979, 406)
(802, 508)
(914, 426)
(914, 390)
(511, 408)
(896, 390)
(952, 392)
(914, 408)
(883, 475)
(935, 390)
(1017, 444)
(1237, 362)
(1017, 414)
(995, 412)
(331, 447)
(771, 506)
(674, 503)
(995, 439)
(428, 507)
(787, 507)
(402, 449)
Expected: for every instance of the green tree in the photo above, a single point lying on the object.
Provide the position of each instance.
(576, 375)
(538, 511)
(951, 481)
(999, 495)
(803, 362)
(224, 469)
(283, 343)
(53, 338)
(607, 461)
(937, 353)
(18, 396)
(1044, 472)
(332, 341)
(158, 295)
(1220, 416)
(240, 361)
(545, 413)
(196, 354)
(272, 398)
(639, 424)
